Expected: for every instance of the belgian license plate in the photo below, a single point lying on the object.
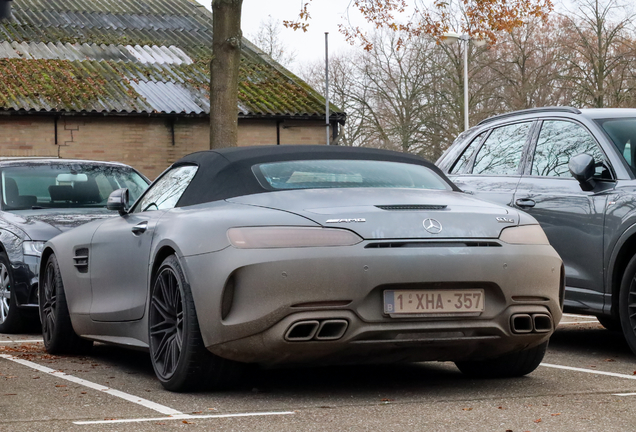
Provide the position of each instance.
(433, 301)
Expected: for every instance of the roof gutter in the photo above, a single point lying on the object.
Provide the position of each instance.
(338, 117)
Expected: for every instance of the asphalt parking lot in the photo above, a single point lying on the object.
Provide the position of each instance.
(586, 383)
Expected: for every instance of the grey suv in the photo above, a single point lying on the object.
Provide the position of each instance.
(575, 172)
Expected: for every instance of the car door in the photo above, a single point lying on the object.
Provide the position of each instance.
(119, 256)
(572, 219)
(490, 167)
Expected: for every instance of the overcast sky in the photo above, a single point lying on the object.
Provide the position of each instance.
(309, 46)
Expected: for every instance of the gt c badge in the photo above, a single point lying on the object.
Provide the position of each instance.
(432, 225)
(505, 220)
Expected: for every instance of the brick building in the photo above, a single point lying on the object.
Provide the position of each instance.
(128, 80)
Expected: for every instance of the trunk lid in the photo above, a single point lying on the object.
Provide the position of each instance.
(392, 213)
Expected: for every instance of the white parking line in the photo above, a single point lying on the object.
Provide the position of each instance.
(174, 414)
(590, 371)
(577, 316)
(185, 416)
(131, 398)
(579, 322)
(22, 341)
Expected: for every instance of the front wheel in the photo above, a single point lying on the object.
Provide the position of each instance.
(11, 320)
(507, 366)
(627, 304)
(57, 330)
(178, 355)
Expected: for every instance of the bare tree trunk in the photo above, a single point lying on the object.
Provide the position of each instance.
(224, 70)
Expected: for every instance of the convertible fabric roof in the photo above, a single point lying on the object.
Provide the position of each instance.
(227, 173)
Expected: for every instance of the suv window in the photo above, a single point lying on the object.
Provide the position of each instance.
(501, 152)
(558, 141)
(622, 132)
(463, 161)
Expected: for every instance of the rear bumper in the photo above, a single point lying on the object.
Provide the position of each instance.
(247, 301)
(384, 342)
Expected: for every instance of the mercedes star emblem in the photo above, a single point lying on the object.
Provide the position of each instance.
(432, 225)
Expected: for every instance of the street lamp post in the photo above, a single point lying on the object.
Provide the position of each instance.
(451, 38)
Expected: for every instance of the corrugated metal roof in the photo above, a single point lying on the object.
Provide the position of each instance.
(131, 56)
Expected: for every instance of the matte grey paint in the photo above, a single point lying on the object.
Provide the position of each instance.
(271, 283)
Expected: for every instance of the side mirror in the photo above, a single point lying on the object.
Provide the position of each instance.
(118, 200)
(582, 169)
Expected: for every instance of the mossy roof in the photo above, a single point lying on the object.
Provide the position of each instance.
(133, 57)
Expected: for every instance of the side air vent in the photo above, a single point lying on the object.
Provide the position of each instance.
(412, 207)
(449, 244)
(81, 260)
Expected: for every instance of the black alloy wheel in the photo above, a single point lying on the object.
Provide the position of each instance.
(48, 302)
(166, 323)
(57, 329)
(10, 316)
(177, 352)
(627, 304)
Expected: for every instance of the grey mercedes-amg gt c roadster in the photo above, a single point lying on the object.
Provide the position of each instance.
(304, 255)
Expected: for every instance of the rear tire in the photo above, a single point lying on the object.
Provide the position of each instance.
(11, 319)
(178, 355)
(610, 323)
(507, 366)
(57, 330)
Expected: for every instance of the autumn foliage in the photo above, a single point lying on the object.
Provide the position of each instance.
(477, 18)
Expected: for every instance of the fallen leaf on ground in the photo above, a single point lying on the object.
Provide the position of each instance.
(537, 421)
(556, 414)
(467, 409)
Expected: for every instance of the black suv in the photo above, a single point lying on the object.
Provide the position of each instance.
(575, 172)
(41, 198)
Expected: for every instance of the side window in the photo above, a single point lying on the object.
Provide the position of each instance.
(558, 142)
(501, 152)
(165, 193)
(463, 161)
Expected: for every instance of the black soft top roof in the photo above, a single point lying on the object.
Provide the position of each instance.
(227, 173)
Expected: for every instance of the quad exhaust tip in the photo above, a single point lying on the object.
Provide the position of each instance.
(325, 330)
(332, 329)
(542, 323)
(535, 323)
(302, 331)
